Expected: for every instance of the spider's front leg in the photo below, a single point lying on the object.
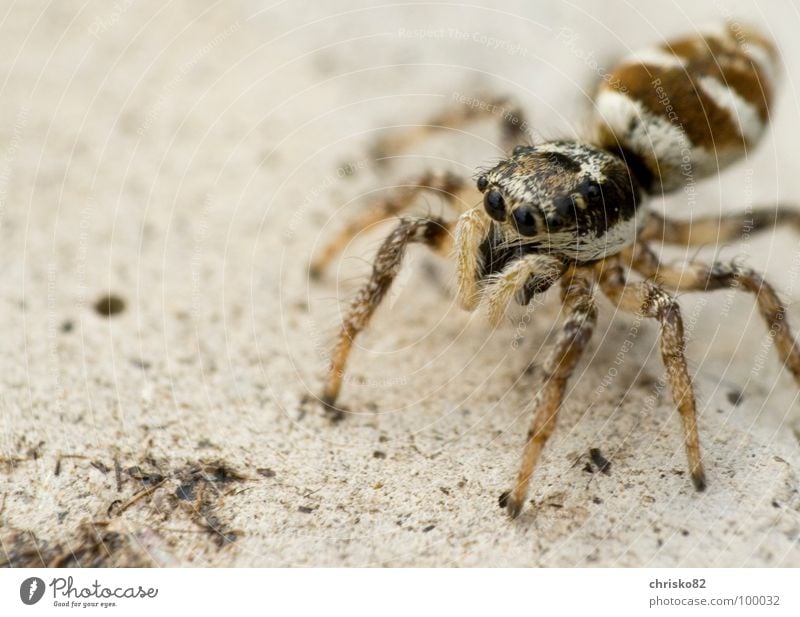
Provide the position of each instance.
(471, 231)
(647, 299)
(434, 233)
(528, 274)
(533, 273)
(449, 185)
(577, 288)
(695, 276)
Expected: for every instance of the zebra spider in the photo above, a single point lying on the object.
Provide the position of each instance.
(575, 212)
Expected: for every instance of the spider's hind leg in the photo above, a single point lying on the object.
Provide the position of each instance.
(716, 229)
(434, 233)
(468, 109)
(695, 276)
(647, 299)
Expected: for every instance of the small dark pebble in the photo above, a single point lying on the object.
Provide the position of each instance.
(227, 538)
(503, 500)
(428, 528)
(109, 305)
(598, 459)
(212, 522)
(775, 504)
(684, 532)
(100, 467)
(588, 468)
(266, 472)
(205, 443)
(597, 500)
(35, 452)
(305, 509)
(223, 475)
(222, 539)
(378, 454)
(62, 515)
(145, 477)
(142, 364)
(218, 474)
(112, 507)
(332, 413)
(735, 397)
(347, 169)
(67, 326)
(185, 492)
(530, 369)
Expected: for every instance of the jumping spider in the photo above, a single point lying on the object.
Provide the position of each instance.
(576, 212)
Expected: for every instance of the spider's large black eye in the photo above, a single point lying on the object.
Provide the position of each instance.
(525, 221)
(495, 205)
(563, 210)
(483, 182)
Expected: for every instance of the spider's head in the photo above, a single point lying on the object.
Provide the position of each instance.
(558, 189)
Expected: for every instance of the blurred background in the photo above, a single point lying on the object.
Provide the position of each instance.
(167, 169)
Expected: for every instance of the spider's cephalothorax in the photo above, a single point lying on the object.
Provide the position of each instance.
(576, 212)
(568, 199)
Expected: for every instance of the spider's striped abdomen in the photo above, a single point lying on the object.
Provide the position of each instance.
(688, 108)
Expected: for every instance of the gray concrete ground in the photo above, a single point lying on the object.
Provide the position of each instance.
(188, 157)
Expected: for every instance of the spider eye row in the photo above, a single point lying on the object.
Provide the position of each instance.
(495, 205)
(525, 221)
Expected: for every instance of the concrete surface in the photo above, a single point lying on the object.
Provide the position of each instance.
(188, 157)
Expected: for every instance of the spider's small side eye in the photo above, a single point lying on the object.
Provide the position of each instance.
(594, 193)
(495, 205)
(483, 182)
(563, 207)
(562, 212)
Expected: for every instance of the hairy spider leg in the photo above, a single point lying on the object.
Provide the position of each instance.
(714, 229)
(578, 300)
(695, 276)
(446, 183)
(542, 269)
(432, 232)
(649, 300)
(514, 127)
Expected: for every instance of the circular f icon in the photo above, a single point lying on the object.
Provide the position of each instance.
(31, 590)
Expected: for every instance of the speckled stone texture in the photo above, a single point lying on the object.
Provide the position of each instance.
(188, 157)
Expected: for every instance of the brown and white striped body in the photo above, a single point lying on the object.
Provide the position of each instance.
(688, 108)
